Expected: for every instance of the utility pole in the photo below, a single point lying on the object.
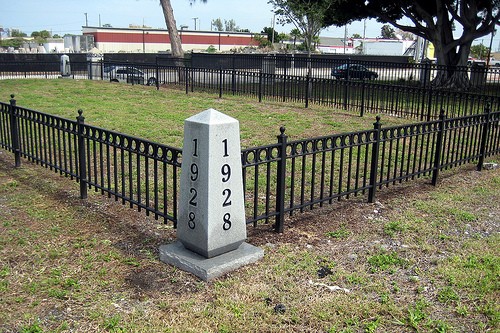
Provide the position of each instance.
(345, 36)
(272, 37)
(364, 37)
(489, 50)
(86, 20)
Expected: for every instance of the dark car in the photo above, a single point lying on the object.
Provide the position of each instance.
(353, 71)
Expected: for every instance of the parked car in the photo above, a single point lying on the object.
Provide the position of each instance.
(127, 74)
(353, 71)
(494, 62)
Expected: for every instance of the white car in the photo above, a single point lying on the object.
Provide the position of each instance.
(126, 74)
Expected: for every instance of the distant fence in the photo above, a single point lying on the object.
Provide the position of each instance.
(279, 179)
(401, 89)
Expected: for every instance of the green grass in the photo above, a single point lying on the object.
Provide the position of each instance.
(428, 262)
(159, 115)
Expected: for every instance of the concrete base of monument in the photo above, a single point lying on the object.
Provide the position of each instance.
(207, 269)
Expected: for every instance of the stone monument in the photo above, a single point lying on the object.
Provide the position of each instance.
(211, 228)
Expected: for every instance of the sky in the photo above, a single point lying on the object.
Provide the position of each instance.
(68, 16)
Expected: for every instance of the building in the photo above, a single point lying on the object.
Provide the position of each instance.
(388, 47)
(148, 40)
(335, 45)
(54, 45)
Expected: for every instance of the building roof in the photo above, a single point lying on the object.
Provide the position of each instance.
(331, 41)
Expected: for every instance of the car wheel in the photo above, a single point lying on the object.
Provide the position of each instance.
(114, 80)
(152, 81)
(372, 77)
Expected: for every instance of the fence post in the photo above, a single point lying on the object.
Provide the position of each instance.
(280, 182)
(439, 148)
(220, 82)
(374, 167)
(429, 105)
(233, 81)
(484, 137)
(308, 82)
(363, 86)
(82, 163)
(14, 132)
(346, 91)
(260, 86)
(284, 80)
(157, 75)
(186, 78)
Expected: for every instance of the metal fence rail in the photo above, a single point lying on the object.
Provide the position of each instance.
(279, 179)
(402, 89)
(286, 177)
(132, 170)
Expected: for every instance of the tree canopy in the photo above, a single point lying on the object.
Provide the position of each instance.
(435, 21)
(306, 15)
(387, 32)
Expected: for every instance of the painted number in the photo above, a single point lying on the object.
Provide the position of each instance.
(194, 172)
(227, 222)
(224, 143)
(191, 223)
(195, 152)
(226, 193)
(226, 173)
(194, 193)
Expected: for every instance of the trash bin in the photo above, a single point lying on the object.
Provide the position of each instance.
(478, 74)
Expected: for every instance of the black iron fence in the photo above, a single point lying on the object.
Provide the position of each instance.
(400, 89)
(132, 170)
(279, 179)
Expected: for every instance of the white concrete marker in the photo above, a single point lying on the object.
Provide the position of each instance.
(211, 223)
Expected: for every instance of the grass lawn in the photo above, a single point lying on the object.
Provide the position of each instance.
(159, 115)
(421, 259)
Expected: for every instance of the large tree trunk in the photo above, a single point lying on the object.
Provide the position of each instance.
(452, 72)
(175, 40)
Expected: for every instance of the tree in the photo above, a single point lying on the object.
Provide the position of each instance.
(41, 36)
(17, 33)
(230, 25)
(434, 21)
(15, 42)
(306, 15)
(272, 35)
(175, 40)
(217, 24)
(387, 32)
(295, 34)
(479, 51)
